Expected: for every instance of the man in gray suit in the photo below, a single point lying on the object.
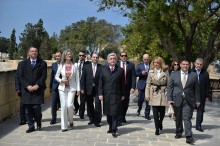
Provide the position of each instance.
(183, 94)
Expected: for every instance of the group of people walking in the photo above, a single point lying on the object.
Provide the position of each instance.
(112, 83)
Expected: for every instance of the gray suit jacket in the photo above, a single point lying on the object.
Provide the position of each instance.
(191, 90)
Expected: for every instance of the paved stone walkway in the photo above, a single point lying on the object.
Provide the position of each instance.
(137, 132)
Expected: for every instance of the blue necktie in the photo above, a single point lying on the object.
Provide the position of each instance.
(33, 63)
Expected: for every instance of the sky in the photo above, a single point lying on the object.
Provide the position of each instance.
(56, 14)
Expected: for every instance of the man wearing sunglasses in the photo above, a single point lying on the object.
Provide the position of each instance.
(81, 106)
(130, 84)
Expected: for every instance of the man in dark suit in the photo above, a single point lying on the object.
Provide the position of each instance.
(142, 72)
(32, 76)
(183, 94)
(89, 86)
(81, 106)
(112, 91)
(18, 90)
(130, 84)
(204, 84)
(54, 88)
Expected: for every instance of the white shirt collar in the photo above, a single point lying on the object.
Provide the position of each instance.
(183, 72)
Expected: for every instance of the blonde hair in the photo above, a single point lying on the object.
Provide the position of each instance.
(63, 58)
(160, 61)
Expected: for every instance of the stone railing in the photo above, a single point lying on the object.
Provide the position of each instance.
(9, 100)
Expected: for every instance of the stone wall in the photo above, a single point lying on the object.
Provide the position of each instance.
(9, 100)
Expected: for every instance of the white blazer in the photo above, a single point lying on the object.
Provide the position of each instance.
(74, 82)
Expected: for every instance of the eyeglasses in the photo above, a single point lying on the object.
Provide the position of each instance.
(176, 64)
(123, 55)
(81, 55)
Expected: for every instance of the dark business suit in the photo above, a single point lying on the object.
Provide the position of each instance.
(112, 87)
(130, 82)
(89, 84)
(183, 105)
(141, 85)
(81, 106)
(55, 94)
(30, 75)
(204, 84)
(18, 88)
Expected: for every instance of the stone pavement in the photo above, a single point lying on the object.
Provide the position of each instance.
(137, 132)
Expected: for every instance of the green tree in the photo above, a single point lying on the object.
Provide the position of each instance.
(91, 35)
(33, 35)
(12, 45)
(4, 45)
(182, 28)
(109, 49)
(54, 42)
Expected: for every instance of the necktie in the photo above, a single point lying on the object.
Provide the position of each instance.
(198, 72)
(183, 80)
(32, 63)
(93, 70)
(112, 69)
(123, 66)
(80, 69)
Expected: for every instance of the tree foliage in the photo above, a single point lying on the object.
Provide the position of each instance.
(91, 35)
(12, 45)
(35, 35)
(176, 28)
(4, 44)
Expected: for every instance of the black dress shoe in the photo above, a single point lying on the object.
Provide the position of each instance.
(71, 125)
(114, 134)
(147, 117)
(97, 125)
(90, 123)
(157, 132)
(81, 117)
(119, 123)
(52, 122)
(178, 136)
(23, 122)
(189, 139)
(64, 130)
(109, 131)
(39, 127)
(124, 121)
(30, 130)
(138, 113)
(161, 126)
(200, 129)
(75, 112)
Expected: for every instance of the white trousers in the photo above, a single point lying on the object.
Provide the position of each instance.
(66, 103)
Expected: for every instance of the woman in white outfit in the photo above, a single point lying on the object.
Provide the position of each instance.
(68, 78)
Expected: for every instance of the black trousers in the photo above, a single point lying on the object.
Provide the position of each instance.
(184, 113)
(98, 110)
(94, 113)
(112, 122)
(76, 103)
(125, 104)
(90, 107)
(33, 112)
(55, 101)
(158, 113)
(141, 97)
(199, 114)
(22, 109)
(82, 105)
